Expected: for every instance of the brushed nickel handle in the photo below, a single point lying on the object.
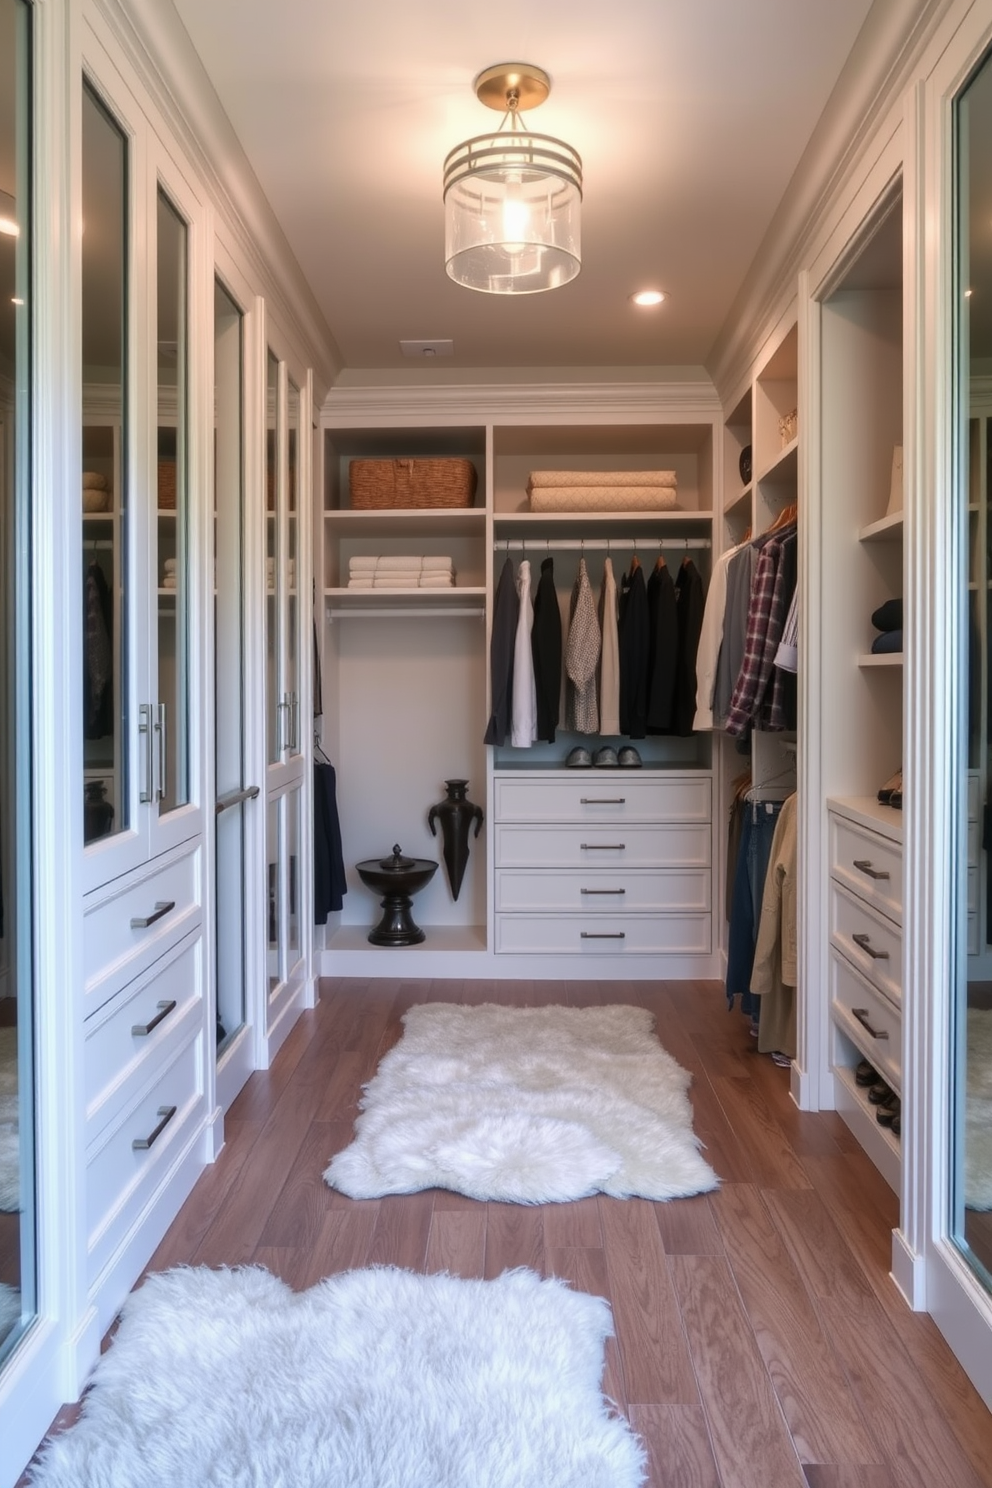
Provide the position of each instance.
(234, 798)
(603, 846)
(864, 941)
(602, 891)
(602, 800)
(141, 1144)
(862, 1016)
(142, 1030)
(604, 934)
(141, 922)
(864, 866)
(163, 767)
(147, 792)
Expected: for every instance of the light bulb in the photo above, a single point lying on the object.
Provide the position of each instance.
(516, 216)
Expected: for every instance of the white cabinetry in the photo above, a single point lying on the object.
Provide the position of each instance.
(865, 927)
(600, 863)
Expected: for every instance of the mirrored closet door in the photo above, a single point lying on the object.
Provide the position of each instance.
(17, 1186)
(972, 1189)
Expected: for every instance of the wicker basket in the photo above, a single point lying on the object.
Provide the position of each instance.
(380, 485)
(166, 485)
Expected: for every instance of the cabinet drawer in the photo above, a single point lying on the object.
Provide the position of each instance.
(132, 1034)
(603, 847)
(869, 864)
(130, 923)
(606, 935)
(120, 1177)
(592, 893)
(603, 795)
(871, 1022)
(867, 939)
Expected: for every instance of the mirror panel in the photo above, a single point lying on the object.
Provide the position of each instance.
(972, 1115)
(17, 1188)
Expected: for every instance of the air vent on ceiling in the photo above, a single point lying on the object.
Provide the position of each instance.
(427, 349)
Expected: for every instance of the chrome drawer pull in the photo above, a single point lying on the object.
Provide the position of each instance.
(864, 865)
(862, 1016)
(602, 891)
(141, 1144)
(864, 941)
(142, 1030)
(602, 800)
(141, 922)
(603, 846)
(604, 934)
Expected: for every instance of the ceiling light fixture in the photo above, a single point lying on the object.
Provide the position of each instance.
(648, 297)
(512, 198)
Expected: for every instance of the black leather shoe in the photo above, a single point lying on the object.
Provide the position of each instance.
(890, 1112)
(865, 1074)
(879, 1094)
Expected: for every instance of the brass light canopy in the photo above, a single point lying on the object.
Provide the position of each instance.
(512, 198)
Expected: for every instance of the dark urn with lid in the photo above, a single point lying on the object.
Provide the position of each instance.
(456, 814)
(397, 879)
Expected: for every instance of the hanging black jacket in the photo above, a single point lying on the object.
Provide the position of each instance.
(663, 650)
(506, 612)
(689, 603)
(633, 636)
(546, 646)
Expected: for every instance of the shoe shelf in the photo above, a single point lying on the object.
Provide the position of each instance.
(880, 1145)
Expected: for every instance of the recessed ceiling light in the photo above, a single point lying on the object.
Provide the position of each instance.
(647, 297)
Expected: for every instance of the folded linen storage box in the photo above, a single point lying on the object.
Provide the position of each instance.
(602, 490)
(419, 484)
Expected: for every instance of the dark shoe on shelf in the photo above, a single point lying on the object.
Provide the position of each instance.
(578, 758)
(893, 786)
(885, 1115)
(895, 1125)
(879, 1094)
(865, 1073)
(629, 758)
(605, 758)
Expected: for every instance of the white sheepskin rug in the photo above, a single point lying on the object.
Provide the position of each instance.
(978, 1112)
(10, 1155)
(372, 1379)
(525, 1105)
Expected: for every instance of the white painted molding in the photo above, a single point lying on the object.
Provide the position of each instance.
(602, 402)
(159, 48)
(890, 45)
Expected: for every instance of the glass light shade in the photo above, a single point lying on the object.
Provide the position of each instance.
(511, 213)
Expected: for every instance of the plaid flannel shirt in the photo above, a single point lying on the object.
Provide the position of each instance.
(765, 619)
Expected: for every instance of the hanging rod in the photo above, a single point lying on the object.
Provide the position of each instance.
(406, 612)
(603, 544)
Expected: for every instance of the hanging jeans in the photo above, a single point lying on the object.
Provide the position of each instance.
(760, 818)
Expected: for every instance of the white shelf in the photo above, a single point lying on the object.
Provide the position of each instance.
(676, 518)
(886, 529)
(400, 522)
(452, 601)
(869, 812)
(883, 659)
(784, 467)
(739, 502)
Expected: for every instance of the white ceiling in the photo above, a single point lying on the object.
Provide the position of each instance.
(690, 117)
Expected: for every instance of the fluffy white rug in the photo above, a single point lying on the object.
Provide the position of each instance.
(372, 1379)
(10, 1156)
(978, 1112)
(527, 1105)
(10, 1309)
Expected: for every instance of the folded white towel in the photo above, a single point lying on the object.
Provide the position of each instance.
(396, 581)
(400, 562)
(437, 565)
(362, 563)
(169, 581)
(437, 581)
(603, 498)
(169, 565)
(362, 581)
(94, 481)
(602, 478)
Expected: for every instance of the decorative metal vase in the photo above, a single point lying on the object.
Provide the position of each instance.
(456, 815)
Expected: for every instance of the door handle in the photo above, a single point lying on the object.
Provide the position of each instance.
(142, 1030)
(147, 793)
(864, 866)
(141, 922)
(602, 891)
(141, 1144)
(602, 800)
(234, 798)
(603, 846)
(862, 1016)
(162, 762)
(603, 934)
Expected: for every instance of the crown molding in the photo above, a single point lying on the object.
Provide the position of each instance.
(889, 47)
(159, 48)
(600, 402)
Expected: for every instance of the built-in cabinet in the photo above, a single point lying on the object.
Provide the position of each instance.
(409, 670)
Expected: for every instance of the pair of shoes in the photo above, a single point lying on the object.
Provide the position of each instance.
(890, 794)
(865, 1074)
(891, 1111)
(880, 1094)
(782, 1060)
(578, 758)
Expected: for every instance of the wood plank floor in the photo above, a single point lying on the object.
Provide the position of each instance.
(760, 1342)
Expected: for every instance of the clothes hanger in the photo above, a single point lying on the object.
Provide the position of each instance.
(785, 518)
